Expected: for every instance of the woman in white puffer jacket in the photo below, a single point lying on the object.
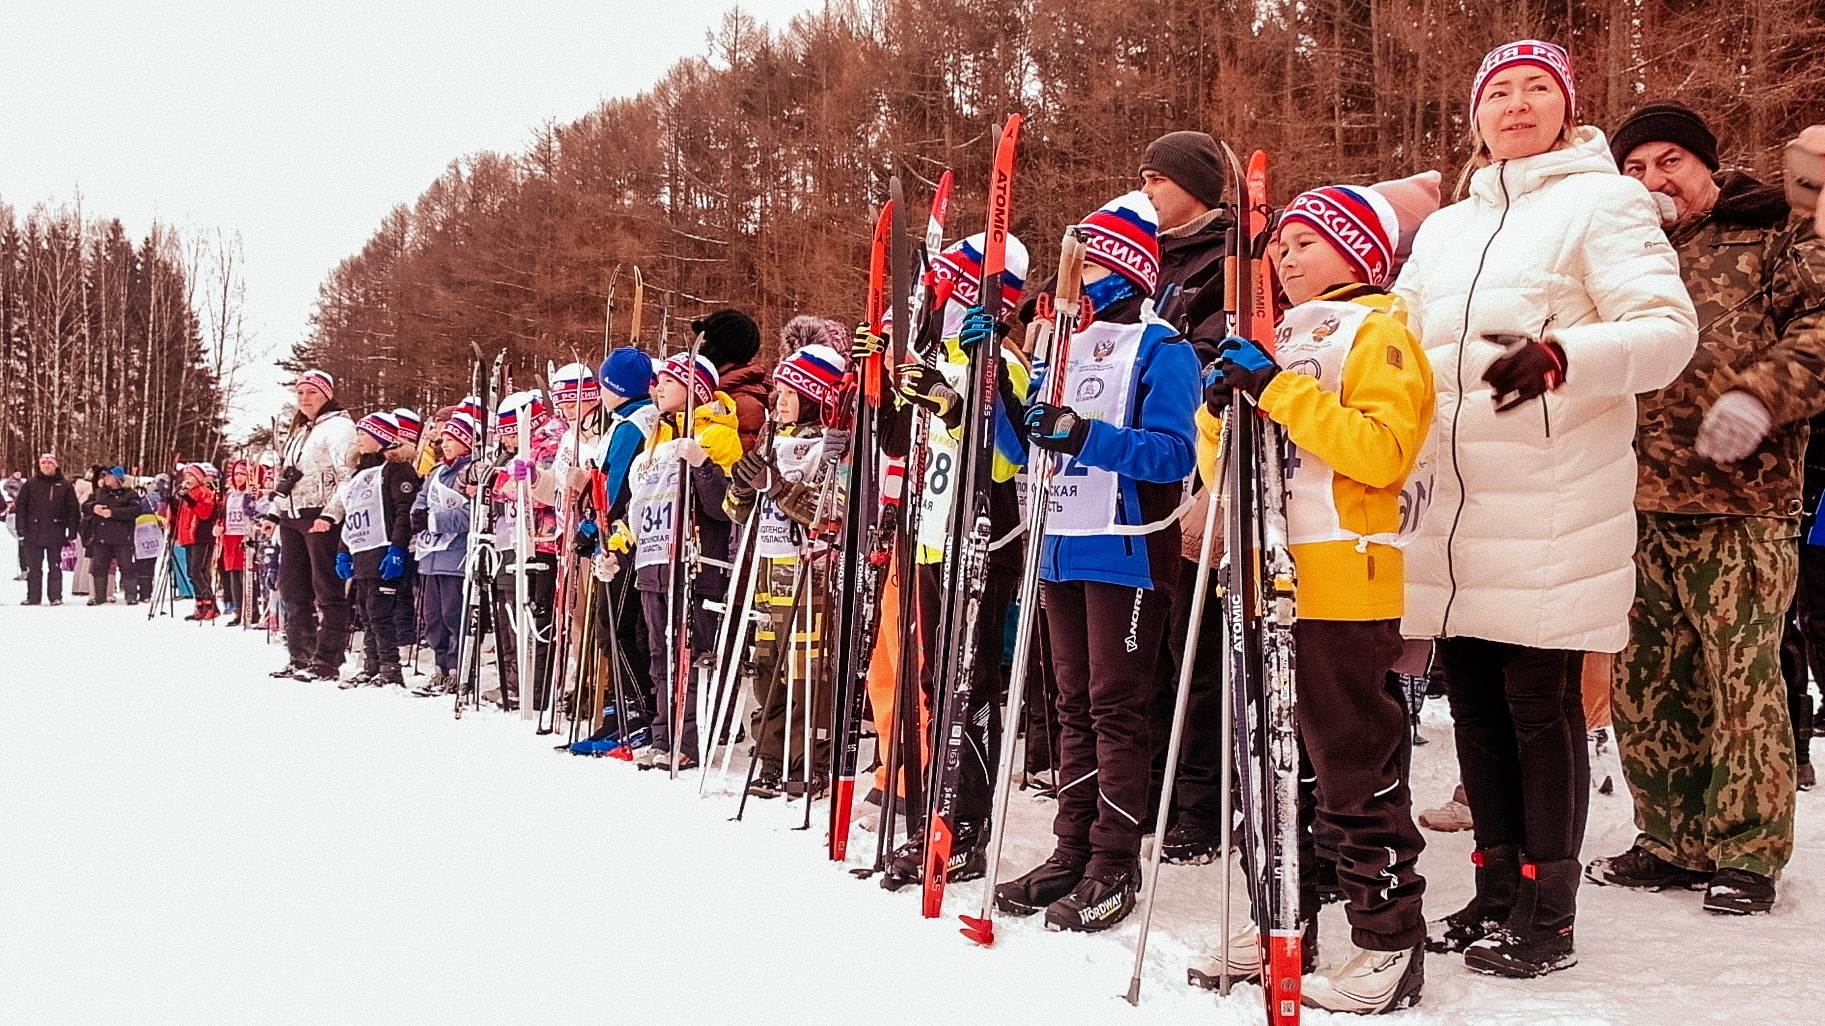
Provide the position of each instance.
(1523, 560)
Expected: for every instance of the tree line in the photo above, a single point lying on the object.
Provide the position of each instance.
(748, 174)
(113, 351)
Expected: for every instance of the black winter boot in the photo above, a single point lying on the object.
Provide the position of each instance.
(1642, 869)
(1537, 938)
(1498, 878)
(1052, 880)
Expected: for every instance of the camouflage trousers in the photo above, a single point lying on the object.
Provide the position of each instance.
(1700, 705)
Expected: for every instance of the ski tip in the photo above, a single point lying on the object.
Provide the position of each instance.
(982, 931)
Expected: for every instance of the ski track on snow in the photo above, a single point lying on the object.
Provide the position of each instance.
(184, 840)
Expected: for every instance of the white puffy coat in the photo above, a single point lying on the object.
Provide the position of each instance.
(325, 451)
(1530, 536)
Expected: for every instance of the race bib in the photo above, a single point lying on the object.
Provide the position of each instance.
(362, 529)
(234, 516)
(148, 537)
(652, 508)
(438, 499)
(779, 536)
(1098, 386)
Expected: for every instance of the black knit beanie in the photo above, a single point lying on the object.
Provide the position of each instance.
(730, 337)
(1665, 121)
(1193, 162)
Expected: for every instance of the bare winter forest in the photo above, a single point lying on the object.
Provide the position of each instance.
(746, 176)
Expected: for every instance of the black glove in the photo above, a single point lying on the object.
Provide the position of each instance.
(1246, 366)
(1218, 390)
(421, 521)
(927, 387)
(752, 473)
(1525, 372)
(1057, 428)
(587, 540)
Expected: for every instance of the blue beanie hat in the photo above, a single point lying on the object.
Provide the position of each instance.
(628, 373)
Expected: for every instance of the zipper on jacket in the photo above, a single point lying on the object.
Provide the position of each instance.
(1457, 411)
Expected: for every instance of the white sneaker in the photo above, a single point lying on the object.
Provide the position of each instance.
(1448, 818)
(1371, 983)
(1244, 963)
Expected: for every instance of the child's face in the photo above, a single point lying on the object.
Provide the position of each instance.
(1306, 264)
(669, 395)
(785, 405)
(452, 449)
(366, 444)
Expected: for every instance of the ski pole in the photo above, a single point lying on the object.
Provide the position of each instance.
(1176, 738)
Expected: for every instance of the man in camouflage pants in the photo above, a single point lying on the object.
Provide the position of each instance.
(1700, 705)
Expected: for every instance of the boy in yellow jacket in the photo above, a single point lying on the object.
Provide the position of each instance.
(1354, 392)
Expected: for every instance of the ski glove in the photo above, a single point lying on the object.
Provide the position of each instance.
(421, 521)
(1217, 390)
(927, 387)
(520, 469)
(605, 566)
(691, 451)
(1246, 366)
(587, 540)
(978, 327)
(345, 565)
(1733, 427)
(750, 474)
(1057, 428)
(393, 564)
(836, 444)
(866, 343)
(1528, 370)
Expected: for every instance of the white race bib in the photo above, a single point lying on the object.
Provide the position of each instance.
(652, 508)
(362, 528)
(1098, 386)
(779, 536)
(234, 516)
(438, 499)
(148, 537)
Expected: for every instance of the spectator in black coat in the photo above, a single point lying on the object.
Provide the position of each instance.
(46, 515)
(108, 519)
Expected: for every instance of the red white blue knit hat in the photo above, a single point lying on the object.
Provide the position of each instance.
(1549, 56)
(472, 405)
(1124, 236)
(1359, 223)
(321, 380)
(527, 406)
(813, 371)
(381, 427)
(411, 425)
(463, 427)
(702, 384)
(961, 265)
(575, 383)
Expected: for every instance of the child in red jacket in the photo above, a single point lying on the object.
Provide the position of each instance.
(197, 513)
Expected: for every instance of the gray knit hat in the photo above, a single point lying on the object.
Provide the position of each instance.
(1193, 162)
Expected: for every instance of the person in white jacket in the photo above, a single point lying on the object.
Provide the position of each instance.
(1545, 299)
(319, 458)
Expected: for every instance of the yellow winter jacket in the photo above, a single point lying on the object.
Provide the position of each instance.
(715, 426)
(1369, 432)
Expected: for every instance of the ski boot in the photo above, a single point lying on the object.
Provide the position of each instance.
(1738, 892)
(1537, 938)
(1245, 960)
(1190, 842)
(1052, 880)
(1104, 897)
(441, 682)
(967, 861)
(289, 671)
(766, 784)
(319, 671)
(820, 786)
(1371, 983)
(1498, 880)
(389, 674)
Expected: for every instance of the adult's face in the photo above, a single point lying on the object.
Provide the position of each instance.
(311, 399)
(47, 467)
(1170, 200)
(1521, 113)
(1674, 171)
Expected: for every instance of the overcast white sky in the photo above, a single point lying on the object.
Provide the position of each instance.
(301, 124)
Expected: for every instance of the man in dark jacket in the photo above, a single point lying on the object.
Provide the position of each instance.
(731, 341)
(47, 518)
(1183, 174)
(108, 520)
(1700, 707)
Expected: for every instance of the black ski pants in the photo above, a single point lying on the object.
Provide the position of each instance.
(103, 558)
(1803, 647)
(405, 609)
(1197, 791)
(541, 587)
(43, 572)
(381, 641)
(621, 635)
(200, 558)
(316, 600)
(981, 719)
(1105, 650)
(1357, 753)
(443, 594)
(1519, 716)
(653, 607)
(136, 579)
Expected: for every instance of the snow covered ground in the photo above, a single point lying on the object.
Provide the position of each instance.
(185, 840)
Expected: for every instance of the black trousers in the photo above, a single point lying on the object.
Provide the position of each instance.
(982, 717)
(103, 558)
(316, 600)
(1803, 648)
(136, 579)
(43, 572)
(621, 635)
(1105, 651)
(1198, 789)
(1357, 751)
(653, 607)
(380, 601)
(541, 587)
(1519, 715)
(405, 610)
(199, 557)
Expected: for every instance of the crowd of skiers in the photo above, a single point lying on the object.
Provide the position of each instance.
(1550, 440)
